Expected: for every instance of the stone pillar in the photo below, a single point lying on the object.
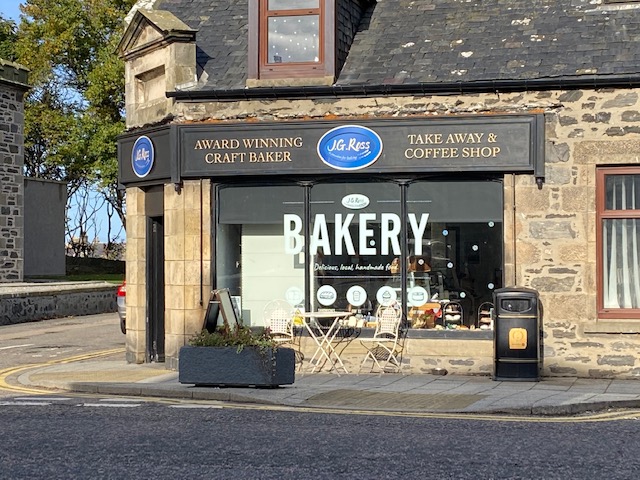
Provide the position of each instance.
(13, 85)
(135, 257)
(187, 263)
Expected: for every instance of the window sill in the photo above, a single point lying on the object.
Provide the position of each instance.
(451, 334)
(614, 326)
(290, 82)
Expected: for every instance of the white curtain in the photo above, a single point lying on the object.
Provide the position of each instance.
(621, 259)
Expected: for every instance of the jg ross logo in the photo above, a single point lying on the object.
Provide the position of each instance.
(350, 147)
(142, 156)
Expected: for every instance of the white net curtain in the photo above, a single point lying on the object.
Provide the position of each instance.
(621, 256)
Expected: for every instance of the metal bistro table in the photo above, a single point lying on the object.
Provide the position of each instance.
(324, 335)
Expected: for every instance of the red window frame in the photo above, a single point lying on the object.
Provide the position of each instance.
(602, 215)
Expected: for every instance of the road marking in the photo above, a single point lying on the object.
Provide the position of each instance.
(43, 399)
(593, 418)
(17, 346)
(128, 403)
(193, 405)
(4, 374)
(121, 400)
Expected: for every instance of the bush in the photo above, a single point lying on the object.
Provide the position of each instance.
(88, 266)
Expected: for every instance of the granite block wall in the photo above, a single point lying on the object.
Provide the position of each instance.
(12, 88)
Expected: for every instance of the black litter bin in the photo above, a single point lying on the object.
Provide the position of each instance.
(517, 333)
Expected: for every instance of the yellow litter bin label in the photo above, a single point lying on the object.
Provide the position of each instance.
(517, 339)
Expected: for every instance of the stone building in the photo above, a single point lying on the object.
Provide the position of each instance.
(13, 85)
(32, 211)
(300, 150)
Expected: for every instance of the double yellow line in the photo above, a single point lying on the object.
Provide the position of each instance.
(7, 372)
(610, 416)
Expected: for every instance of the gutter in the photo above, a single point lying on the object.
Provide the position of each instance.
(443, 88)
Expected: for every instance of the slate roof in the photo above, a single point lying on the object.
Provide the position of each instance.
(442, 41)
(221, 41)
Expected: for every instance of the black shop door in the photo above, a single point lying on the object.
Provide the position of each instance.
(155, 290)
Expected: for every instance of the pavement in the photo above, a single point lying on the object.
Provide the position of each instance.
(109, 374)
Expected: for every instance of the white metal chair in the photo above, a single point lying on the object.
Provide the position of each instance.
(385, 348)
(278, 318)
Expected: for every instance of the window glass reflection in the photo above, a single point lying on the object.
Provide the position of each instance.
(292, 4)
(356, 254)
(621, 263)
(293, 39)
(253, 258)
(622, 192)
(458, 264)
(355, 236)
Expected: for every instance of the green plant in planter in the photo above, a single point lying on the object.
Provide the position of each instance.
(236, 357)
(239, 337)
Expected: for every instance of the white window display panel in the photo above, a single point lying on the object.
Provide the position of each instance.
(267, 272)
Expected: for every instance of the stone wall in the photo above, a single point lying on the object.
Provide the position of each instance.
(22, 303)
(12, 88)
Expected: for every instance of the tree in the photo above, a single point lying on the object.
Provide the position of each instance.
(75, 110)
(8, 39)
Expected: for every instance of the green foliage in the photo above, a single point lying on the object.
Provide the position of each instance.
(8, 39)
(114, 278)
(75, 110)
(239, 337)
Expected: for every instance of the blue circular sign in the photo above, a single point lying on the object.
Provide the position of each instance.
(350, 147)
(142, 156)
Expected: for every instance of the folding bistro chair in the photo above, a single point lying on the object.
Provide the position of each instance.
(278, 318)
(385, 348)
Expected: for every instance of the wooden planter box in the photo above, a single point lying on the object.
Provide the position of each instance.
(225, 366)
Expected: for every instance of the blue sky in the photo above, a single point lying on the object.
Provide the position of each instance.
(10, 9)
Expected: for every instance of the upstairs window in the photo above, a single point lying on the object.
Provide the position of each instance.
(292, 31)
(289, 39)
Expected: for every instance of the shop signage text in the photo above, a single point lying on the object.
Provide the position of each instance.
(495, 143)
(453, 145)
(342, 242)
(254, 150)
(349, 147)
(355, 201)
(142, 156)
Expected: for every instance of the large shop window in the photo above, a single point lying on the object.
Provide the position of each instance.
(618, 238)
(427, 245)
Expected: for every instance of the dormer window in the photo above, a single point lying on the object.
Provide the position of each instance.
(291, 39)
(293, 32)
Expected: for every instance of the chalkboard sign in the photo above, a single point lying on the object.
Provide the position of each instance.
(220, 303)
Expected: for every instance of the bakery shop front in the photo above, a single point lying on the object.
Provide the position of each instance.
(333, 215)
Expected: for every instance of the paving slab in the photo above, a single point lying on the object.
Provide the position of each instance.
(375, 392)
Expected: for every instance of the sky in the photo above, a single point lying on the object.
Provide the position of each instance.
(10, 9)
